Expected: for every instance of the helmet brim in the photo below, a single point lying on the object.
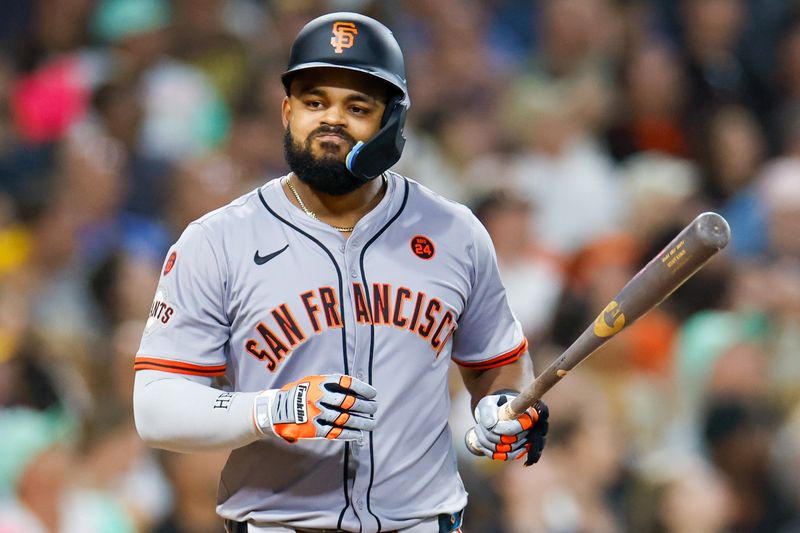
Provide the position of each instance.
(392, 80)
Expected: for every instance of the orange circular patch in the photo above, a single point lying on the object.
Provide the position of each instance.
(170, 262)
(422, 247)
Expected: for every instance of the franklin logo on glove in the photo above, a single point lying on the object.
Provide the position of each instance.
(300, 415)
(331, 406)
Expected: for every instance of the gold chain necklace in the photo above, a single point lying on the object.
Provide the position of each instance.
(312, 214)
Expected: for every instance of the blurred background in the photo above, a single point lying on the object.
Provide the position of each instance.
(583, 133)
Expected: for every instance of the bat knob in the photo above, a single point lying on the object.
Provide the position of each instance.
(713, 230)
(471, 440)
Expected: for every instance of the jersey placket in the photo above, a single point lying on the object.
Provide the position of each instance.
(363, 243)
(358, 347)
(358, 341)
(350, 251)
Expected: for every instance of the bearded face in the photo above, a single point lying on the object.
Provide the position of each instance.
(327, 111)
(326, 172)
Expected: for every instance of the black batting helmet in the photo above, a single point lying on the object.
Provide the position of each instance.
(356, 42)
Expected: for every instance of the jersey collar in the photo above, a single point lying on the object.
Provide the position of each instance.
(371, 222)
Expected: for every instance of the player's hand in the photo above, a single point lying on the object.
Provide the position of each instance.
(332, 406)
(511, 439)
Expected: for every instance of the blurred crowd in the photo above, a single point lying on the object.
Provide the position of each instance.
(583, 133)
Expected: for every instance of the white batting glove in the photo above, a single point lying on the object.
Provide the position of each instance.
(332, 406)
(510, 439)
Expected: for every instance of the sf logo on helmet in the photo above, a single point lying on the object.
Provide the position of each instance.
(343, 35)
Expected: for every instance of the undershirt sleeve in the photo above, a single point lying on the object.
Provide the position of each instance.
(184, 413)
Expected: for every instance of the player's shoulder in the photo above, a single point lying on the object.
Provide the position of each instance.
(236, 209)
(453, 219)
(428, 201)
(231, 217)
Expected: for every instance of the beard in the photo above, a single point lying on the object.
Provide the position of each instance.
(327, 174)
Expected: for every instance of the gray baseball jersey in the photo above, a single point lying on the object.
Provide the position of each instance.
(264, 294)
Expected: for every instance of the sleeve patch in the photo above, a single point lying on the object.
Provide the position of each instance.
(170, 262)
(161, 312)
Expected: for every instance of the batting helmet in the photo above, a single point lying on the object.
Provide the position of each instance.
(356, 42)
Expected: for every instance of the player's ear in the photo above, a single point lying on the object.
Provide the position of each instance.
(286, 111)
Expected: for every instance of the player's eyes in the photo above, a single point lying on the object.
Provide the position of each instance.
(314, 104)
(357, 110)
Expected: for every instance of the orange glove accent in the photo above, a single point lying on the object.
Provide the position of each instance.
(512, 439)
(332, 406)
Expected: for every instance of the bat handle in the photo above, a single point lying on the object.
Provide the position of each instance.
(505, 413)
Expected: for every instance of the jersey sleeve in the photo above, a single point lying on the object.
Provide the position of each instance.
(488, 334)
(187, 327)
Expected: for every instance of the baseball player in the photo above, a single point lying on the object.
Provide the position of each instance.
(309, 325)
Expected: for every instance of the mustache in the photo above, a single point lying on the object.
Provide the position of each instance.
(332, 130)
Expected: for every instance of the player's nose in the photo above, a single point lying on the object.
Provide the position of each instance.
(333, 116)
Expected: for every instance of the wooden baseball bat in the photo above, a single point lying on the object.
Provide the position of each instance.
(693, 247)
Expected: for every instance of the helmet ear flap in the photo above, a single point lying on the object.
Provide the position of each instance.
(368, 160)
(392, 108)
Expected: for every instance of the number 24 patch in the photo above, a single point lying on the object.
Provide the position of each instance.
(422, 247)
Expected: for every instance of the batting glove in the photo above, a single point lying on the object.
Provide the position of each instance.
(511, 439)
(332, 406)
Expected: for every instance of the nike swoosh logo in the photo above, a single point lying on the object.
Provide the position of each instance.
(261, 259)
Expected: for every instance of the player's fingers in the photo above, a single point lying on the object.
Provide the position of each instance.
(355, 421)
(350, 385)
(511, 448)
(486, 414)
(486, 435)
(499, 443)
(480, 447)
(502, 454)
(513, 427)
(495, 442)
(508, 427)
(499, 452)
(344, 419)
(507, 432)
(365, 390)
(340, 433)
(349, 402)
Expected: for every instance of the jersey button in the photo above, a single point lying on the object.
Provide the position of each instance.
(360, 375)
(360, 504)
(341, 247)
(353, 273)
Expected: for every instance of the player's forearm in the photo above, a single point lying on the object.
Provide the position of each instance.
(512, 376)
(178, 414)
